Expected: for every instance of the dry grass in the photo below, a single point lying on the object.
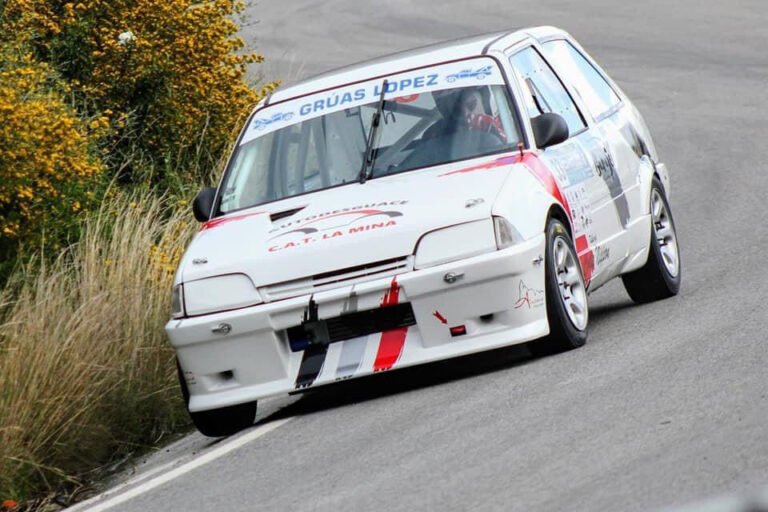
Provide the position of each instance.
(86, 373)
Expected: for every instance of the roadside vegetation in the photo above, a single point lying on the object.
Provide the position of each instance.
(112, 114)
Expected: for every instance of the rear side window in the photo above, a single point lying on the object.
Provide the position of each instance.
(547, 93)
(597, 93)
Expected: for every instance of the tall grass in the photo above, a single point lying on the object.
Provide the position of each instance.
(86, 373)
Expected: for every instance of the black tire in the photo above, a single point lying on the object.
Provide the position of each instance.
(564, 334)
(654, 280)
(219, 422)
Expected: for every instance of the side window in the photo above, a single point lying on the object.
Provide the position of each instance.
(597, 94)
(547, 93)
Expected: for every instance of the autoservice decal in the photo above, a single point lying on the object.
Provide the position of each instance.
(478, 71)
(341, 222)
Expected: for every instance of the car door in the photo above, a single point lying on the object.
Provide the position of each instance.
(577, 165)
(623, 148)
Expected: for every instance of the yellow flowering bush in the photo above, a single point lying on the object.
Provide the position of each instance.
(96, 97)
(46, 161)
(171, 72)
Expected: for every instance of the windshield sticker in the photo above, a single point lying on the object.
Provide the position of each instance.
(468, 73)
(260, 124)
(404, 87)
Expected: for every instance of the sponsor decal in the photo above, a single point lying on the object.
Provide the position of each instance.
(337, 223)
(581, 211)
(586, 256)
(373, 92)
(363, 210)
(602, 254)
(329, 235)
(530, 297)
(570, 164)
(605, 167)
(402, 87)
(392, 341)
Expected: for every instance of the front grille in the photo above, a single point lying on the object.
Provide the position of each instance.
(350, 325)
(328, 280)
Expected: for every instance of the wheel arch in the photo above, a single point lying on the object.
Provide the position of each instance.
(647, 173)
(556, 211)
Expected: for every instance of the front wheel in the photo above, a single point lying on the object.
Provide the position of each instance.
(659, 278)
(567, 308)
(219, 422)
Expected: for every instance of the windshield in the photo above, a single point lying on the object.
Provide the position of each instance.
(432, 116)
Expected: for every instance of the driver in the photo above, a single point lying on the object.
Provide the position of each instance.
(475, 115)
(463, 109)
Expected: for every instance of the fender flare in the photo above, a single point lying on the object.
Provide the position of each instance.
(527, 205)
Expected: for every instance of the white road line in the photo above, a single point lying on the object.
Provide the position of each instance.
(115, 490)
(205, 458)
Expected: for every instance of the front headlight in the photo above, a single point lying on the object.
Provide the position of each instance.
(219, 293)
(506, 233)
(177, 301)
(455, 243)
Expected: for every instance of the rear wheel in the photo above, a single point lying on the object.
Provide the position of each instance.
(219, 422)
(659, 278)
(567, 308)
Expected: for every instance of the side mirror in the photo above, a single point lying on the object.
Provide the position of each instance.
(549, 129)
(203, 204)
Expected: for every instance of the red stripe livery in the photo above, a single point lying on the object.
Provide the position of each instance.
(392, 341)
(586, 257)
(223, 220)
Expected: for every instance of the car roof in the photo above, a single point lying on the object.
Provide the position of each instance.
(467, 47)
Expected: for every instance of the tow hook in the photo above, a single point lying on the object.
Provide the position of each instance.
(452, 277)
(221, 329)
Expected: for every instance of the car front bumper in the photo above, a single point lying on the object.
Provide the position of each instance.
(499, 299)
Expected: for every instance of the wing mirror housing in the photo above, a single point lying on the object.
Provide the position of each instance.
(203, 204)
(549, 129)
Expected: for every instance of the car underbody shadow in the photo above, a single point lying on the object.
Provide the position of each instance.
(601, 311)
(348, 392)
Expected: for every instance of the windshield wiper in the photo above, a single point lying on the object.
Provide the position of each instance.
(369, 158)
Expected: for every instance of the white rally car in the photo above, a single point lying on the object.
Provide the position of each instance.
(429, 204)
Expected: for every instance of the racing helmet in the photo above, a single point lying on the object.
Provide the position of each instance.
(450, 102)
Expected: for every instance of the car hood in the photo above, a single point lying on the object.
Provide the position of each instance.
(346, 226)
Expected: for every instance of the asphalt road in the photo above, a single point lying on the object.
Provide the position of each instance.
(666, 404)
